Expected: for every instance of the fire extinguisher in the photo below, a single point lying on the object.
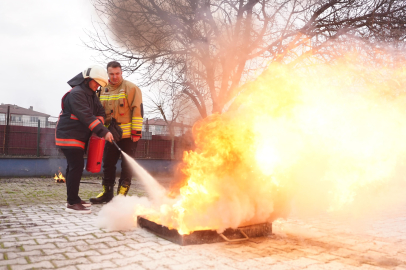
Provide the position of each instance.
(95, 153)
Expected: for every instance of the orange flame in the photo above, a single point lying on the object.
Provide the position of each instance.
(315, 138)
(59, 178)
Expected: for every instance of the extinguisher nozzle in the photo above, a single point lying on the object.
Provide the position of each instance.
(117, 146)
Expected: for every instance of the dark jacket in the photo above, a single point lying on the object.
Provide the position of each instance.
(82, 114)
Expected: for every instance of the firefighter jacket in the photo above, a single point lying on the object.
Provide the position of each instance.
(124, 103)
(81, 115)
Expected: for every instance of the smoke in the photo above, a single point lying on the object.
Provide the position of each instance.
(121, 213)
(331, 136)
(325, 139)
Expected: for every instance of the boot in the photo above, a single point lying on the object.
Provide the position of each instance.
(123, 190)
(105, 196)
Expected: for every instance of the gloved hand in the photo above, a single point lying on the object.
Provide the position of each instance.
(115, 129)
(135, 138)
(135, 135)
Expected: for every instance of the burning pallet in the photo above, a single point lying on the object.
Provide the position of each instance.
(206, 236)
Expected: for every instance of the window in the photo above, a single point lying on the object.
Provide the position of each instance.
(34, 119)
(15, 118)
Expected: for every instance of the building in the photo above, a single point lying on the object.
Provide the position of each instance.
(157, 126)
(20, 116)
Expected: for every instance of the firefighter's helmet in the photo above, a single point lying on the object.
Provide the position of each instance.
(96, 73)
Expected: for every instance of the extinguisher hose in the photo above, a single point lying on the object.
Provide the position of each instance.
(117, 146)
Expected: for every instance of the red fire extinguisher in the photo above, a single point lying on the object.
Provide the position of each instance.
(95, 153)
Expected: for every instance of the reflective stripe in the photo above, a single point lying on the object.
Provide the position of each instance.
(137, 123)
(101, 118)
(112, 97)
(72, 116)
(126, 128)
(69, 142)
(94, 124)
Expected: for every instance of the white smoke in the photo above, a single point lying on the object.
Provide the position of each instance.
(120, 214)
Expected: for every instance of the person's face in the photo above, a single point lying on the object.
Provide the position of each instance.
(115, 75)
(94, 85)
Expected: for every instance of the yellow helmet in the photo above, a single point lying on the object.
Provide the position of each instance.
(96, 73)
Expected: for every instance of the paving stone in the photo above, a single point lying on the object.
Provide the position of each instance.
(156, 263)
(74, 255)
(38, 265)
(58, 250)
(100, 240)
(187, 266)
(51, 240)
(248, 264)
(18, 243)
(116, 235)
(100, 258)
(92, 266)
(81, 237)
(75, 262)
(91, 247)
(13, 261)
(139, 246)
(69, 267)
(302, 263)
(11, 249)
(32, 247)
(135, 267)
(131, 260)
(71, 244)
(323, 257)
(40, 258)
(22, 238)
(13, 255)
(123, 242)
(114, 250)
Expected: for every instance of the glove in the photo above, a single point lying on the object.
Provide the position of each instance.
(115, 129)
(135, 135)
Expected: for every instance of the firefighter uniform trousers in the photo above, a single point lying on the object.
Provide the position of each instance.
(76, 162)
(110, 158)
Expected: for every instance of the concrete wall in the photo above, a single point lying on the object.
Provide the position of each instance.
(37, 167)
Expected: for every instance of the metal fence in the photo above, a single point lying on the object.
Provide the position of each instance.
(38, 139)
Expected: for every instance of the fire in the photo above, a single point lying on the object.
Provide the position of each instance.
(59, 178)
(324, 138)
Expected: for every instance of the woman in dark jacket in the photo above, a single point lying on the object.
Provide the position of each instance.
(82, 114)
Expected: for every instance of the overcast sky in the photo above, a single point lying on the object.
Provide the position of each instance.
(41, 49)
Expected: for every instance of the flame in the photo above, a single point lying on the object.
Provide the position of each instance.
(59, 178)
(321, 138)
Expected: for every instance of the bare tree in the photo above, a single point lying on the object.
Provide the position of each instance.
(206, 49)
(171, 106)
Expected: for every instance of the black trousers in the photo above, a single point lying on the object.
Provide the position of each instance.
(110, 158)
(74, 170)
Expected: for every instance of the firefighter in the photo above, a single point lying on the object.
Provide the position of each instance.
(81, 115)
(122, 101)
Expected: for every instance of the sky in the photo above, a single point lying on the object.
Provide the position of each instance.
(41, 48)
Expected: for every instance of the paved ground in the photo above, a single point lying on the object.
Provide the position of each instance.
(36, 233)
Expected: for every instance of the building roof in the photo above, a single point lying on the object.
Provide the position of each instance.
(14, 109)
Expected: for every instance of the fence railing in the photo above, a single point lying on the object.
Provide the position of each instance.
(30, 138)
(38, 141)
